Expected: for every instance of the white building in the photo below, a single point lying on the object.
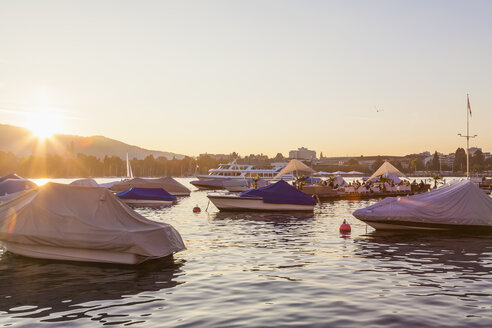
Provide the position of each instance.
(447, 160)
(302, 153)
(473, 150)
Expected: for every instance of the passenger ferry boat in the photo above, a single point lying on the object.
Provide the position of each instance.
(245, 171)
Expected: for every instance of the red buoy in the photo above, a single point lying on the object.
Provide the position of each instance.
(345, 227)
(196, 209)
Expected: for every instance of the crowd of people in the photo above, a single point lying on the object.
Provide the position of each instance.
(382, 184)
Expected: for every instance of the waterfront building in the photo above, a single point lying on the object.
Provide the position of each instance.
(302, 153)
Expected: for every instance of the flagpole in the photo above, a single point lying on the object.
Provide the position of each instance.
(468, 136)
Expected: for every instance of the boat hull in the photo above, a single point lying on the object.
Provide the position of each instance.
(217, 184)
(147, 203)
(73, 254)
(420, 226)
(237, 188)
(204, 177)
(235, 203)
(180, 194)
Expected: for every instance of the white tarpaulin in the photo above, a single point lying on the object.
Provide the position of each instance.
(339, 173)
(459, 203)
(85, 218)
(338, 181)
(387, 168)
(392, 177)
(85, 183)
(356, 173)
(295, 166)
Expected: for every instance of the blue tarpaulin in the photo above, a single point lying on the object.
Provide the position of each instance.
(146, 194)
(313, 180)
(11, 186)
(280, 193)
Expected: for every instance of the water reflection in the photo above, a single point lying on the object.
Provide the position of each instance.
(423, 253)
(32, 288)
(258, 270)
(273, 217)
(255, 230)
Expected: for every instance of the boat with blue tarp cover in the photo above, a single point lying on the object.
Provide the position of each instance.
(146, 197)
(279, 196)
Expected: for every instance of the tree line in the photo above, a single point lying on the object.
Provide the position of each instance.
(80, 165)
(478, 163)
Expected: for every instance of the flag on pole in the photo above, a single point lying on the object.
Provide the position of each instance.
(468, 104)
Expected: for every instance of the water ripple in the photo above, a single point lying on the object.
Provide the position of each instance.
(263, 270)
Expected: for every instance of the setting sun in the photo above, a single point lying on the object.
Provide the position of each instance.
(44, 123)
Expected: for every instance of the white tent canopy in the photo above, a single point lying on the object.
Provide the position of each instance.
(392, 177)
(459, 203)
(338, 181)
(294, 166)
(339, 173)
(386, 169)
(356, 173)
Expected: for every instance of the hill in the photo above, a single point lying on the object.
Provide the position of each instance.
(20, 142)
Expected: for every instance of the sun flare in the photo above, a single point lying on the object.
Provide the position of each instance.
(43, 124)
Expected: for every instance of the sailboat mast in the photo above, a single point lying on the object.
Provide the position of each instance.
(129, 172)
(467, 138)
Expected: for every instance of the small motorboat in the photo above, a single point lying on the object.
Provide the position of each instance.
(460, 206)
(210, 184)
(279, 196)
(147, 197)
(79, 223)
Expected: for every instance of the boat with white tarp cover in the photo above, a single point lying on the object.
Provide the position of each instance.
(79, 223)
(460, 206)
(11, 186)
(87, 182)
(167, 183)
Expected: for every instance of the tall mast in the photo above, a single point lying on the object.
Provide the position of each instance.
(129, 172)
(468, 136)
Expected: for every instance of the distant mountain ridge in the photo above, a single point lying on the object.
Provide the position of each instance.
(20, 142)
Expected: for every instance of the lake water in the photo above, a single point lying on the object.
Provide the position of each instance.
(263, 270)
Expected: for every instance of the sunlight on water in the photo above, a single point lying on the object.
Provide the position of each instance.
(41, 182)
(263, 270)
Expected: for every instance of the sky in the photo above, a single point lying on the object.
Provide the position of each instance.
(345, 78)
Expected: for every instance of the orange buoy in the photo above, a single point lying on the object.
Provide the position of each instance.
(345, 227)
(196, 209)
